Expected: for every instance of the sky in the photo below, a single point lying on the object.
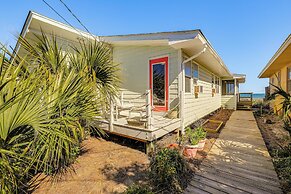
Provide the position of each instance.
(245, 33)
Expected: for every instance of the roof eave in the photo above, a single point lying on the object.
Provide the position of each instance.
(275, 56)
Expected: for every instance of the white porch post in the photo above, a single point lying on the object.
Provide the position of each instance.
(235, 93)
(148, 108)
(181, 91)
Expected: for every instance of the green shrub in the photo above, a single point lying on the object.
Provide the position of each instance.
(194, 136)
(169, 171)
(282, 162)
(138, 189)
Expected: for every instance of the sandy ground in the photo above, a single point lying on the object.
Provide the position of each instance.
(106, 167)
(111, 166)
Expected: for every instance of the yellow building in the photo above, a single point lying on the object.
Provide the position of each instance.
(278, 70)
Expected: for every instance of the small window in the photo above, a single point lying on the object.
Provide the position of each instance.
(195, 71)
(279, 77)
(289, 79)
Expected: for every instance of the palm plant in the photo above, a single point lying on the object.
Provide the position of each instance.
(285, 105)
(95, 59)
(47, 103)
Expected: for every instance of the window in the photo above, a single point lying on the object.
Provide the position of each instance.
(195, 70)
(228, 87)
(188, 75)
(191, 74)
(289, 79)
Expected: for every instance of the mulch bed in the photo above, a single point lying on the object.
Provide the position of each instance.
(275, 137)
(211, 125)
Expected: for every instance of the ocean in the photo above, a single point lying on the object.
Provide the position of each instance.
(255, 95)
(258, 95)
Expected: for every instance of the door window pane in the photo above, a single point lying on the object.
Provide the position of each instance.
(159, 84)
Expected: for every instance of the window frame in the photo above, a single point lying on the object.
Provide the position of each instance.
(193, 80)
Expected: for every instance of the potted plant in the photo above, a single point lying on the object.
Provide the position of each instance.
(194, 140)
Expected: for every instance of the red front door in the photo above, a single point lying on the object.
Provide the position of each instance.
(159, 83)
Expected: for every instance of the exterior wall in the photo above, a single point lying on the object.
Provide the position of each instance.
(228, 101)
(134, 68)
(196, 108)
(276, 104)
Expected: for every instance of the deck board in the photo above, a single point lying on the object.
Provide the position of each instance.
(238, 162)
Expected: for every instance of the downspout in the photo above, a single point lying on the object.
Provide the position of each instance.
(182, 86)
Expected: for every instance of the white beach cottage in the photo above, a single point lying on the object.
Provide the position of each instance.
(162, 73)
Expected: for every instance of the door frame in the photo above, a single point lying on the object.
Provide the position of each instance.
(152, 62)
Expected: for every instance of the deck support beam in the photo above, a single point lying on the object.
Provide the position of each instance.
(149, 147)
(111, 119)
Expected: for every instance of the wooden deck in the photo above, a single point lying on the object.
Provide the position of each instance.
(160, 126)
(238, 162)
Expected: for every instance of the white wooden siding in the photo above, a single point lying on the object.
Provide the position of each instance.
(228, 101)
(196, 108)
(134, 67)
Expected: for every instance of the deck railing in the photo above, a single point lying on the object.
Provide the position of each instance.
(245, 100)
(139, 104)
(138, 107)
(245, 97)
